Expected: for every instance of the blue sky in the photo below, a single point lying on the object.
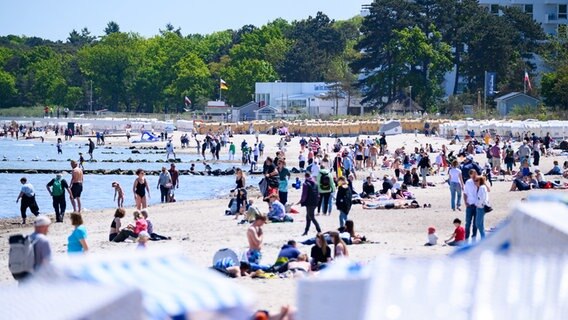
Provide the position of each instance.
(54, 19)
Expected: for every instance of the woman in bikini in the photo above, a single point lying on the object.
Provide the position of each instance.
(141, 190)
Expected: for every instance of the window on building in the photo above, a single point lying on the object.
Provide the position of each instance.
(562, 11)
(494, 9)
(529, 9)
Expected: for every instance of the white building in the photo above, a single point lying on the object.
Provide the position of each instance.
(551, 14)
(313, 98)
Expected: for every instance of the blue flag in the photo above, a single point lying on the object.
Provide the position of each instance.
(490, 83)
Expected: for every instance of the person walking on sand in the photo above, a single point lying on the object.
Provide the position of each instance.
(310, 199)
(76, 186)
(27, 194)
(164, 184)
(326, 187)
(255, 237)
(141, 190)
(56, 188)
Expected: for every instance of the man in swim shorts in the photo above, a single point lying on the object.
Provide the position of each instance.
(76, 186)
(255, 239)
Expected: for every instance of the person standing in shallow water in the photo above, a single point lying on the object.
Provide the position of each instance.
(27, 195)
(56, 188)
(76, 186)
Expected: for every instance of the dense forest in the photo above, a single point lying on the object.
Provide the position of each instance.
(397, 45)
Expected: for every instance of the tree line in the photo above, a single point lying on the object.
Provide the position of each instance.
(398, 45)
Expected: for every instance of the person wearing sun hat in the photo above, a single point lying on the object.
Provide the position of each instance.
(42, 248)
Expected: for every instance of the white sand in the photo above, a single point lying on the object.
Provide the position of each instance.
(206, 229)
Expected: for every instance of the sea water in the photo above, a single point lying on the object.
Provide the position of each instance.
(97, 191)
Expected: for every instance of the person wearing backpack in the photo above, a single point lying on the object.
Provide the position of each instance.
(56, 188)
(309, 200)
(29, 253)
(27, 195)
(326, 187)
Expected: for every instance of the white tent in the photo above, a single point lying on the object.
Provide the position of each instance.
(184, 125)
(529, 282)
(391, 127)
(533, 227)
(55, 301)
(171, 286)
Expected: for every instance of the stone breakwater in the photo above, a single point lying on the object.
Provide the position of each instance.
(214, 172)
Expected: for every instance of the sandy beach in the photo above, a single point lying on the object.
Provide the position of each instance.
(200, 228)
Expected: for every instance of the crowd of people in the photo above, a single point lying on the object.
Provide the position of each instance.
(327, 177)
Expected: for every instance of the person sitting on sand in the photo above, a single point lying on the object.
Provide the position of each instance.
(340, 248)
(432, 237)
(320, 253)
(368, 188)
(143, 238)
(118, 194)
(458, 237)
(555, 171)
(277, 211)
(116, 223)
(133, 231)
(520, 183)
(153, 236)
(240, 202)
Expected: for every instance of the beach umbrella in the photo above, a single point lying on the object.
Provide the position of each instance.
(172, 287)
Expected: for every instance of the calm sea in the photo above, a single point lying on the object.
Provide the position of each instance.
(98, 193)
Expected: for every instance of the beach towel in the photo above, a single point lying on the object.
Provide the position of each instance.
(263, 187)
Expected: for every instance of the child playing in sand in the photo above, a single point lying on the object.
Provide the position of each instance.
(432, 237)
(458, 237)
(143, 238)
(118, 194)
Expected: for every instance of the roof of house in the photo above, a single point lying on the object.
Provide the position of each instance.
(402, 104)
(248, 104)
(513, 95)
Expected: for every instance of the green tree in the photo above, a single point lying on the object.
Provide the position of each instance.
(8, 92)
(554, 88)
(110, 64)
(242, 76)
(315, 43)
(193, 79)
(112, 27)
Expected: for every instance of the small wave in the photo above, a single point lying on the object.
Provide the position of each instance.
(25, 145)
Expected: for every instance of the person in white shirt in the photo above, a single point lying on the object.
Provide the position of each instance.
(456, 185)
(481, 202)
(470, 198)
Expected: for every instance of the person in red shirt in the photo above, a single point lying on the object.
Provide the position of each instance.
(458, 237)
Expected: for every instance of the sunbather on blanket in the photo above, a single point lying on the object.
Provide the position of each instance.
(391, 204)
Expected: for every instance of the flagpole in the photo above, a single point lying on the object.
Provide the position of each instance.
(220, 89)
(525, 83)
(485, 94)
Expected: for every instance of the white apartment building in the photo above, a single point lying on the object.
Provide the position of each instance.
(313, 98)
(551, 14)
